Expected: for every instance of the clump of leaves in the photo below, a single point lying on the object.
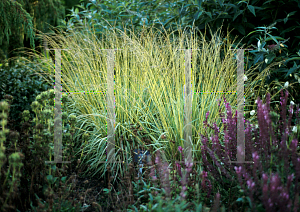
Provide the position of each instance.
(19, 81)
(270, 183)
(9, 175)
(37, 181)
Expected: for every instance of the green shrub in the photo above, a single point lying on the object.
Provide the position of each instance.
(30, 182)
(18, 80)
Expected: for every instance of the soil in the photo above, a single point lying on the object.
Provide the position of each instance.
(96, 184)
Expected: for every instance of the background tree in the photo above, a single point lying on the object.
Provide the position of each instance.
(20, 17)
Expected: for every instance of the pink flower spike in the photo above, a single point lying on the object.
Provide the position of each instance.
(183, 195)
(188, 165)
(157, 160)
(179, 169)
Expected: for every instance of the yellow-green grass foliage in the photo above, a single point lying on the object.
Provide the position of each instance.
(149, 79)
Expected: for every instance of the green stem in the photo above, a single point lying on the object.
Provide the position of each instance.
(7, 175)
(11, 187)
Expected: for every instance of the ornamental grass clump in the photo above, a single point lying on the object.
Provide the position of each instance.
(148, 88)
(271, 182)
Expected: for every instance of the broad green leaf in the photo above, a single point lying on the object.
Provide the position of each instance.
(151, 197)
(259, 57)
(156, 7)
(80, 6)
(291, 13)
(273, 38)
(252, 9)
(249, 200)
(294, 58)
(242, 2)
(220, 2)
(268, 1)
(270, 58)
(208, 13)
(249, 25)
(111, 6)
(63, 179)
(232, 5)
(106, 190)
(291, 70)
(241, 29)
(155, 206)
(261, 28)
(199, 2)
(49, 178)
(197, 15)
(278, 38)
(144, 4)
(109, 11)
(237, 14)
(169, 20)
(251, 33)
(290, 29)
(240, 200)
(55, 178)
(144, 207)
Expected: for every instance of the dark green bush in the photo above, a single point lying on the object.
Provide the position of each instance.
(35, 182)
(17, 79)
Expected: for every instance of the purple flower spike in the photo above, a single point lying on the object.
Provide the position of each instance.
(180, 149)
(179, 169)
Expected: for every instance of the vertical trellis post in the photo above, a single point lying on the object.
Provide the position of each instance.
(188, 96)
(110, 107)
(240, 109)
(187, 133)
(57, 111)
(57, 117)
(240, 106)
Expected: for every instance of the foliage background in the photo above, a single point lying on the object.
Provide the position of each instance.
(239, 17)
(16, 78)
(20, 17)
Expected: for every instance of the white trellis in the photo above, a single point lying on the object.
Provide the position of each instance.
(111, 108)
